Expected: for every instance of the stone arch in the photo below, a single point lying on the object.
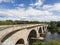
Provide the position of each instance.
(20, 42)
(32, 37)
(40, 30)
(24, 34)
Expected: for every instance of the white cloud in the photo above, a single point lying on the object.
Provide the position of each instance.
(47, 7)
(11, 1)
(29, 14)
(38, 3)
(56, 7)
(21, 5)
(33, 14)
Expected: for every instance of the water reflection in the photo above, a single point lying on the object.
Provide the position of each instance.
(55, 35)
(49, 36)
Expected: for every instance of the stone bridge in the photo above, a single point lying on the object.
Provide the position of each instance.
(24, 34)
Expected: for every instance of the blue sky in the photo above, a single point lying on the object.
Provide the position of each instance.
(32, 10)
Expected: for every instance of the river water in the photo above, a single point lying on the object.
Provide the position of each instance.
(49, 35)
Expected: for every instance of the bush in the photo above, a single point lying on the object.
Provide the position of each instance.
(51, 42)
(54, 42)
(39, 43)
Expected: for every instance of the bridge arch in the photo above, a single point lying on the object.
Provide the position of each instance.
(40, 30)
(31, 36)
(43, 27)
(20, 42)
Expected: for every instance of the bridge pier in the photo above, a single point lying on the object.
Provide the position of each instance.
(26, 42)
(38, 35)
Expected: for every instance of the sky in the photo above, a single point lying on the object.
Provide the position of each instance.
(31, 10)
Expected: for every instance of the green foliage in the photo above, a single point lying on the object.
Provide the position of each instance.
(54, 27)
(54, 42)
(39, 43)
(58, 30)
(58, 23)
(51, 42)
(7, 22)
(10, 22)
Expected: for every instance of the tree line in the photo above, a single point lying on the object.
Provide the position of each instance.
(11, 22)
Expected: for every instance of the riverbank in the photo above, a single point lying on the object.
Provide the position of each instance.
(50, 39)
(50, 35)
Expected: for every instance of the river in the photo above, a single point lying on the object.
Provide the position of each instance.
(49, 35)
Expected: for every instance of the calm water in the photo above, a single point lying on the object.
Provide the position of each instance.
(49, 35)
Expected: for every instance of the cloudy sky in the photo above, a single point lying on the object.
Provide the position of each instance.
(32, 10)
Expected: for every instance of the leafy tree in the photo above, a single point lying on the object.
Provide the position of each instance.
(52, 26)
(58, 24)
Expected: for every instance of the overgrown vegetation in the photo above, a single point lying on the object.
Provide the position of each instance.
(51, 42)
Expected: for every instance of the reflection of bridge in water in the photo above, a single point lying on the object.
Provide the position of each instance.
(24, 34)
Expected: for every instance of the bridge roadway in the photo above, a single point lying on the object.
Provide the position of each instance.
(10, 34)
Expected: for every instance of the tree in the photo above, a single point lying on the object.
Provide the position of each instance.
(58, 24)
(52, 26)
